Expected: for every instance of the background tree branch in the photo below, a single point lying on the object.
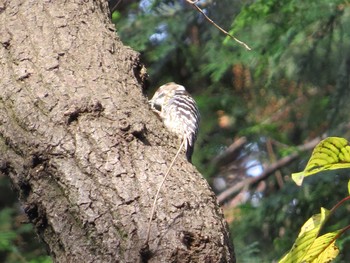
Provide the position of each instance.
(222, 197)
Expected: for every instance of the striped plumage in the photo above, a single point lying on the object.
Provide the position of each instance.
(179, 113)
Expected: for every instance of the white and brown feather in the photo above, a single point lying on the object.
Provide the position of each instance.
(179, 113)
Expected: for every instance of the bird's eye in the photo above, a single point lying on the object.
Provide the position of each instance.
(157, 107)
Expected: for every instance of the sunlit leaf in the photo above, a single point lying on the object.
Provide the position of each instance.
(323, 249)
(315, 222)
(306, 238)
(349, 187)
(329, 254)
(330, 154)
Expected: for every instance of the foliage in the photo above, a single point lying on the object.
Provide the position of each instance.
(18, 242)
(309, 246)
(268, 87)
(293, 86)
(330, 154)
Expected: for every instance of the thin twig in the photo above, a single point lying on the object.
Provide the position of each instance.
(193, 3)
(115, 6)
(160, 187)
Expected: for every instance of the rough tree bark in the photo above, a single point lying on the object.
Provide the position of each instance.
(83, 149)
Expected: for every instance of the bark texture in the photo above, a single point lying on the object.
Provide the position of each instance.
(83, 149)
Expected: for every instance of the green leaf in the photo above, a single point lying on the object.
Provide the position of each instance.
(330, 154)
(116, 16)
(323, 249)
(349, 187)
(308, 247)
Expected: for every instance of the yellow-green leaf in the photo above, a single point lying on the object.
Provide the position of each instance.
(330, 253)
(323, 249)
(306, 238)
(349, 187)
(315, 222)
(330, 154)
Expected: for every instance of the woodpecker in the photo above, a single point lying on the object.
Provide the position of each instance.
(179, 113)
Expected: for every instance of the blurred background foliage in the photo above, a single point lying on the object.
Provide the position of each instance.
(18, 242)
(292, 87)
(257, 107)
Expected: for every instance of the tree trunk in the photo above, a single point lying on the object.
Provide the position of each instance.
(83, 149)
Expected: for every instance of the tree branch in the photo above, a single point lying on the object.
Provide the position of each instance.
(83, 149)
(193, 3)
(268, 171)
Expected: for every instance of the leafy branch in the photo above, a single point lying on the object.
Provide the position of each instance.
(330, 154)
